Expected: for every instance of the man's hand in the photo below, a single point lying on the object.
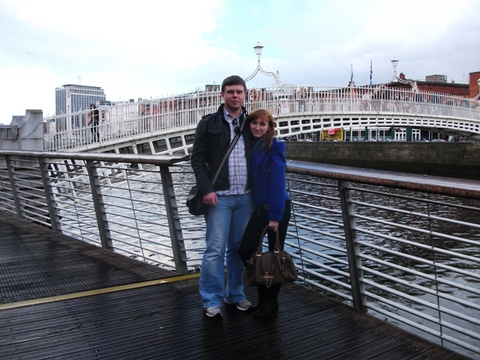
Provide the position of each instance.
(210, 199)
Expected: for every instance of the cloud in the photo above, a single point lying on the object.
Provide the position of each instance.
(34, 90)
(148, 49)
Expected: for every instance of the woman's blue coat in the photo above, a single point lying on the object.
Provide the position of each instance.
(268, 178)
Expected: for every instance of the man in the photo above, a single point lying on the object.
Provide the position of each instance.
(229, 201)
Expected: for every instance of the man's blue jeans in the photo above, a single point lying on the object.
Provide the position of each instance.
(226, 224)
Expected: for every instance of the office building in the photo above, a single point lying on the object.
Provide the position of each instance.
(72, 98)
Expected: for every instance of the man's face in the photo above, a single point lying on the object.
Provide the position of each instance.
(234, 97)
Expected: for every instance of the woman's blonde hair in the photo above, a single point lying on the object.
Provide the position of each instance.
(267, 116)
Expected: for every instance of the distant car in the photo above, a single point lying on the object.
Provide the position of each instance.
(438, 140)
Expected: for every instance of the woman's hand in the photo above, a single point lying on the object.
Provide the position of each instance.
(273, 225)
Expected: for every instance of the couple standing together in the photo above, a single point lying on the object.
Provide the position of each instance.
(248, 194)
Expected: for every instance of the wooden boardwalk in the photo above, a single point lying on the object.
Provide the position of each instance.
(64, 299)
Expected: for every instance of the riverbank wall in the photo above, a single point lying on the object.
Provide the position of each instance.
(23, 133)
(450, 159)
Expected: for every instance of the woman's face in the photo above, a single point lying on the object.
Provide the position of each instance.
(259, 127)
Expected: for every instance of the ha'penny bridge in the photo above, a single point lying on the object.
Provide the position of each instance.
(166, 126)
(100, 258)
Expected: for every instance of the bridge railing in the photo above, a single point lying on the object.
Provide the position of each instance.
(405, 248)
(131, 119)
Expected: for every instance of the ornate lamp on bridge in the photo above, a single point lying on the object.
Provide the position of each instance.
(258, 51)
(395, 78)
(395, 64)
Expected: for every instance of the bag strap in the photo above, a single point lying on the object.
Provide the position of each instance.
(264, 232)
(229, 150)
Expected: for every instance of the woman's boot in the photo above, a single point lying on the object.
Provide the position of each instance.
(270, 305)
(262, 296)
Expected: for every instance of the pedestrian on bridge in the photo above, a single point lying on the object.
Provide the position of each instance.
(228, 199)
(272, 203)
(94, 121)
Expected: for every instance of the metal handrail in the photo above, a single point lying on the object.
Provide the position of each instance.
(402, 247)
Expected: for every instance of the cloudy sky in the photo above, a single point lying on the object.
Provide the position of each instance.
(153, 48)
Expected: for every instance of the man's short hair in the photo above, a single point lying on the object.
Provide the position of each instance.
(233, 80)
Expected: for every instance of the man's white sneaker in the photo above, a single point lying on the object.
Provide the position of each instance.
(213, 311)
(242, 305)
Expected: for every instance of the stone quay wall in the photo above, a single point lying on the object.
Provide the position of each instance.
(450, 159)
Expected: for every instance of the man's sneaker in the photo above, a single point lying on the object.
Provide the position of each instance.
(213, 311)
(242, 305)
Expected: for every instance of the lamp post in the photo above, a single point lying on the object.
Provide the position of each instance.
(394, 64)
(395, 78)
(258, 51)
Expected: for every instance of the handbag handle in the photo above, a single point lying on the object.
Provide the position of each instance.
(277, 241)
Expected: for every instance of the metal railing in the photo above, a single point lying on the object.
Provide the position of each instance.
(404, 248)
(131, 120)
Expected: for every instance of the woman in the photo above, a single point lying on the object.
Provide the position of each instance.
(272, 203)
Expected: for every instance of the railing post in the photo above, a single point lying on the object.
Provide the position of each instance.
(176, 235)
(49, 196)
(101, 215)
(353, 253)
(14, 186)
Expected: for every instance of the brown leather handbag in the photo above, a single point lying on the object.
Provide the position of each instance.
(270, 267)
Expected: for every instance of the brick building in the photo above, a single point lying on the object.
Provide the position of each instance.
(474, 84)
(439, 84)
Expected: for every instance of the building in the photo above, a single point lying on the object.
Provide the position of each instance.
(72, 98)
(474, 84)
(436, 78)
(432, 83)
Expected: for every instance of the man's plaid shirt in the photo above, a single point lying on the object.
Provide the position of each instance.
(237, 162)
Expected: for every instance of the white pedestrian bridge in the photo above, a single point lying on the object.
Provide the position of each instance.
(167, 125)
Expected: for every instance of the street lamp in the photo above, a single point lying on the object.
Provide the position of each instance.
(258, 51)
(394, 64)
(395, 78)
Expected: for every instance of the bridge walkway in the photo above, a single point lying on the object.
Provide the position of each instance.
(64, 299)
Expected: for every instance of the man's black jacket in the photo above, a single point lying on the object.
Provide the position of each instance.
(212, 138)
